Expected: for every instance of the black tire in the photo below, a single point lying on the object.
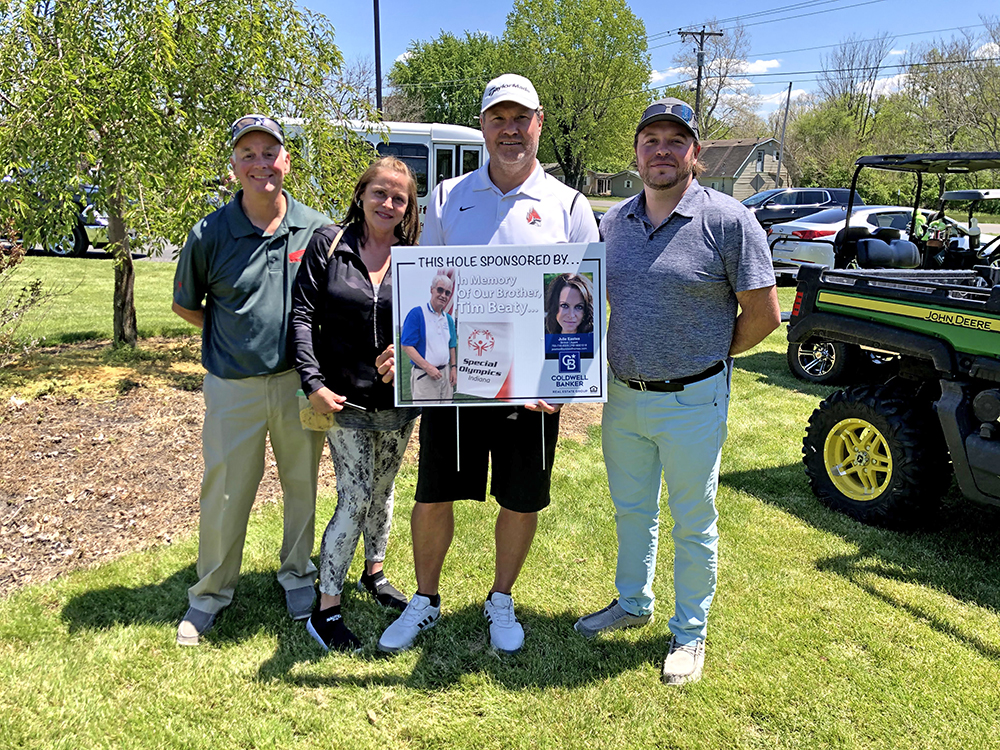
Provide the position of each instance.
(891, 454)
(73, 244)
(820, 361)
(879, 367)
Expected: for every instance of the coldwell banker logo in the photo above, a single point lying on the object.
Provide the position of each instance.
(481, 341)
(569, 362)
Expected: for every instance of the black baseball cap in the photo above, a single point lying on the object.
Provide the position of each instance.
(670, 109)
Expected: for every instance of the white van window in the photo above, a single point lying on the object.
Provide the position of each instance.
(445, 168)
(470, 160)
(414, 155)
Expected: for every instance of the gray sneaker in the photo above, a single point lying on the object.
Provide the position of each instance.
(683, 663)
(300, 602)
(612, 617)
(194, 625)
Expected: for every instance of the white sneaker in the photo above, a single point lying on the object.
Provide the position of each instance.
(418, 616)
(506, 633)
(684, 663)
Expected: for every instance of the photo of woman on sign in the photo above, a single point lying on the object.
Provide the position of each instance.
(569, 304)
(569, 315)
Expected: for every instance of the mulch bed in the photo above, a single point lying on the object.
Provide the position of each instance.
(82, 483)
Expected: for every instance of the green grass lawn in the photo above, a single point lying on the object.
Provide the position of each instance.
(824, 633)
(84, 290)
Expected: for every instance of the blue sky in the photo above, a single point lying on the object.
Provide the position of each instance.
(783, 46)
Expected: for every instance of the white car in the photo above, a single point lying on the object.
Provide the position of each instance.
(811, 240)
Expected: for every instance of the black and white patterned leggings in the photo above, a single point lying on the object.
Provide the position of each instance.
(366, 462)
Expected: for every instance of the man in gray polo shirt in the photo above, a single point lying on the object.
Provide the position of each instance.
(682, 262)
(234, 281)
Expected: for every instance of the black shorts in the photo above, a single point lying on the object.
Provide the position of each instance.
(512, 435)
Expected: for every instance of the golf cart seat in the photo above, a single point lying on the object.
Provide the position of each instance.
(897, 253)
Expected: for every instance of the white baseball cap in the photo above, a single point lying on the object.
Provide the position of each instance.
(509, 87)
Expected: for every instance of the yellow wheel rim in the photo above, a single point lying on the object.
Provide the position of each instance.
(857, 459)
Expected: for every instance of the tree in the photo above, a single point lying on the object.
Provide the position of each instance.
(588, 61)
(850, 75)
(447, 75)
(136, 98)
(727, 107)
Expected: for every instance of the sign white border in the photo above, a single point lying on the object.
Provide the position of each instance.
(505, 354)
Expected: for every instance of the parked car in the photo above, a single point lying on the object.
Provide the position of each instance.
(785, 204)
(91, 228)
(814, 238)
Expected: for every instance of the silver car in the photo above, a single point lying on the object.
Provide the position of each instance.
(811, 240)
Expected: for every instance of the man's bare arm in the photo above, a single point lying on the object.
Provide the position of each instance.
(194, 317)
(759, 315)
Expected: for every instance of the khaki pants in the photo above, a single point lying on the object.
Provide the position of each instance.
(424, 388)
(238, 416)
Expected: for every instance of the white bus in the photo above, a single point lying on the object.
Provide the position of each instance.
(433, 151)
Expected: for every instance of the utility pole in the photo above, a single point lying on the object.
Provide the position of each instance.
(781, 146)
(699, 37)
(378, 64)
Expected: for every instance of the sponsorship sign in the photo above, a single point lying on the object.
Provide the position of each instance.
(520, 323)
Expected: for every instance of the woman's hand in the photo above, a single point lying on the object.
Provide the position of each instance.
(386, 364)
(325, 401)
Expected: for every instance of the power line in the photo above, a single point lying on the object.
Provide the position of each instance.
(862, 41)
(771, 20)
(756, 14)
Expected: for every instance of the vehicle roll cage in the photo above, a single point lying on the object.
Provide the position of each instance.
(956, 162)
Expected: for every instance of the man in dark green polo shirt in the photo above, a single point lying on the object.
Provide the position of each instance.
(234, 281)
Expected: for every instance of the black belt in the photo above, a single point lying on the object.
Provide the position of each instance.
(423, 373)
(675, 385)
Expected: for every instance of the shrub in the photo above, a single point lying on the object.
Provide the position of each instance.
(17, 298)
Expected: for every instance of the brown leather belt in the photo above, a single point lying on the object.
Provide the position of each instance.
(675, 385)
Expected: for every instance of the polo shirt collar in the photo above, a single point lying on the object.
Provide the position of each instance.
(685, 208)
(531, 187)
(240, 225)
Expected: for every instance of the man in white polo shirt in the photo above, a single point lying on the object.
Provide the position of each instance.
(429, 336)
(510, 200)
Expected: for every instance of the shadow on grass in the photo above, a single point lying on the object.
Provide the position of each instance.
(163, 361)
(952, 551)
(553, 655)
(773, 369)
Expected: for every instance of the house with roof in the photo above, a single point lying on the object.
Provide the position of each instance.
(620, 185)
(741, 167)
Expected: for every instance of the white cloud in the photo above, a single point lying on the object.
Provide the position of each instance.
(770, 101)
(897, 52)
(990, 49)
(662, 75)
(759, 66)
(890, 85)
(404, 57)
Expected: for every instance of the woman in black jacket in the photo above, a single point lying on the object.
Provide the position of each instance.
(341, 322)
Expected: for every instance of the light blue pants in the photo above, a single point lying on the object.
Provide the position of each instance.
(239, 414)
(679, 436)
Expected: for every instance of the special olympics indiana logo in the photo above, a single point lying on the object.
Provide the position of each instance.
(482, 341)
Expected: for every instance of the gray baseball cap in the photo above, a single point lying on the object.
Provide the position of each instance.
(250, 123)
(673, 110)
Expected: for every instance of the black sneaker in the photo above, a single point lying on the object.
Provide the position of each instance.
(328, 628)
(384, 592)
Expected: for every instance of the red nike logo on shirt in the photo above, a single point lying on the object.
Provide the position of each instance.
(296, 255)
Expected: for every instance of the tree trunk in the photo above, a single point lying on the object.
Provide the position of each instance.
(124, 299)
